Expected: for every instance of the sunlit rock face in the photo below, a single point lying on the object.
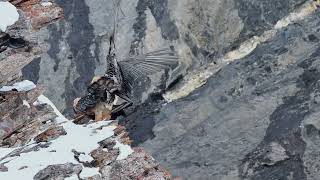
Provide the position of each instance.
(200, 32)
(253, 117)
(36, 140)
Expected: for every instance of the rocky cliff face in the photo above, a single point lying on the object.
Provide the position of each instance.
(247, 105)
(36, 140)
(200, 30)
(254, 119)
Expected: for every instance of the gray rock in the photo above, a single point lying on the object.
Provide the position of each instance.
(275, 154)
(246, 121)
(50, 134)
(199, 31)
(20, 123)
(22, 119)
(254, 119)
(3, 168)
(58, 172)
(140, 165)
(261, 15)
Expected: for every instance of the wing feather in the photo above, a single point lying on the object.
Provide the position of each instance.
(141, 67)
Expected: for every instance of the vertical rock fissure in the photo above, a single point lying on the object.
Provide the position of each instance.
(54, 39)
(79, 39)
(160, 11)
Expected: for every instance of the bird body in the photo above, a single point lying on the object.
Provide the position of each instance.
(121, 77)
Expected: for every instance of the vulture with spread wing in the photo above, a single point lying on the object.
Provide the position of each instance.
(121, 77)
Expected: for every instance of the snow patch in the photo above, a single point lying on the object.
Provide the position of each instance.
(5, 151)
(25, 85)
(8, 15)
(25, 103)
(74, 177)
(45, 4)
(125, 150)
(44, 100)
(85, 158)
(80, 138)
(89, 172)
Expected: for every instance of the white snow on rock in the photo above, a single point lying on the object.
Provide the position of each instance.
(8, 15)
(74, 177)
(89, 172)
(85, 158)
(44, 100)
(25, 103)
(25, 85)
(45, 4)
(5, 151)
(125, 150)
(81, 138)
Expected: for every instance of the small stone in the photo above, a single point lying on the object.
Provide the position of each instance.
(139, 165)
(119, 130)
(277, 153)
(58, 171)
(50, 134)
(3, 168)
(102, 157)
(23, 167)
(108, 143)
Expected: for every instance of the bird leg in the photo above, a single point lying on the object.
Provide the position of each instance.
(124, 105)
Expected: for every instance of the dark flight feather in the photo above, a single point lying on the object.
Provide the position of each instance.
(142, 66)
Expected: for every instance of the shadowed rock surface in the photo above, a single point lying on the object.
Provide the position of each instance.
(254, 119)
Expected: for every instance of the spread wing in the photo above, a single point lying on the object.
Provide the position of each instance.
(141, 67)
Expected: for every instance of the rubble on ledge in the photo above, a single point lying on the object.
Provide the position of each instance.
(40, 143)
